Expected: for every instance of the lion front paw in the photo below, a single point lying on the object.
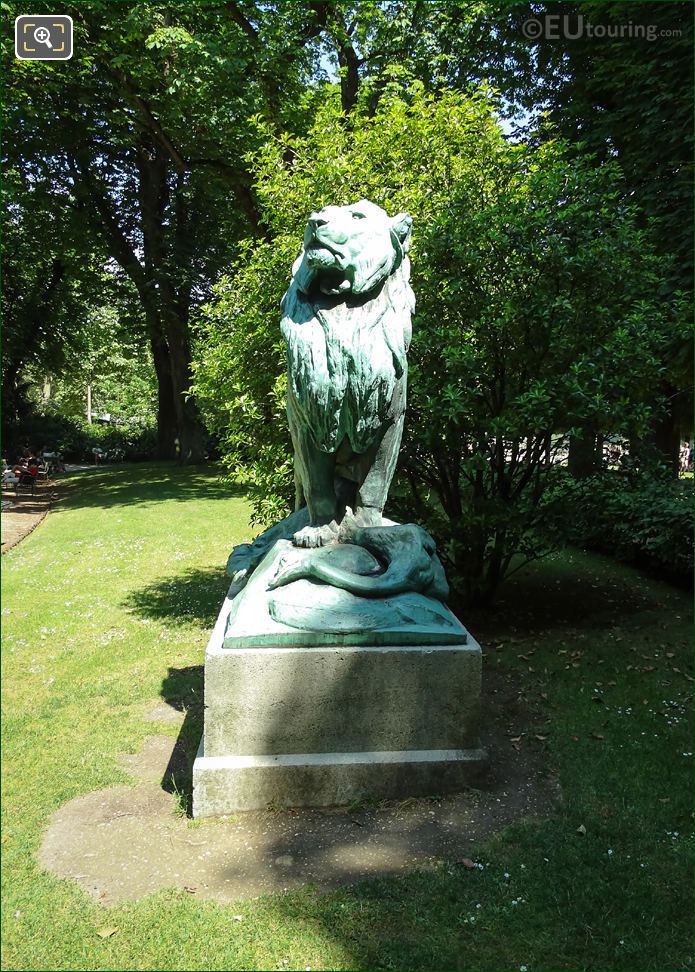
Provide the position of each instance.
(317, 536)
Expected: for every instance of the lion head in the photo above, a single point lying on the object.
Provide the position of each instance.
(351, 249)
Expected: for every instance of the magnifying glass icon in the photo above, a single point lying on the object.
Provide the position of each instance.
(42, 35)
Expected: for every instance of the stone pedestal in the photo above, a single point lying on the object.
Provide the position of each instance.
(316, 725)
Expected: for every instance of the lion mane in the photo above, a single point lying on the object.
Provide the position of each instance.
(346, 322)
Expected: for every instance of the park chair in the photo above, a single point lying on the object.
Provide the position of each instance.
(11, 482)
(27, 480)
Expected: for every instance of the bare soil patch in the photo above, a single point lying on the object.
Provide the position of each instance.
(128, 841)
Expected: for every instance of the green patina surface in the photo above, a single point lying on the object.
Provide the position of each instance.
(307, 612)
(346, 322)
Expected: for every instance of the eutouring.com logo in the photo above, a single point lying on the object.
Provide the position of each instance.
(576, 26)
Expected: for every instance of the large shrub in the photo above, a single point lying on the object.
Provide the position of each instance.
(643, 518)
(538, 312)
(75, 438)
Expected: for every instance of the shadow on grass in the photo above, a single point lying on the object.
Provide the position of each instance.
(144, 483)
(191, 597)
(182, 689)
(569, 591)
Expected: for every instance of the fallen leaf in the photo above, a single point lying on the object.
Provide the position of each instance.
(574, 738)
(581, 829)
(598, 735)
(106, 932)
(467, 863)
(191, 890)
(541, 738)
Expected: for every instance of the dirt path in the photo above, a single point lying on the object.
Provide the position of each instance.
(124, 842)
(24, 514)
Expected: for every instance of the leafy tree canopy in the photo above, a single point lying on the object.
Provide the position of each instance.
(520, 334)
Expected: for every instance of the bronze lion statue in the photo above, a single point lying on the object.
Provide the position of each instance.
(346, 321)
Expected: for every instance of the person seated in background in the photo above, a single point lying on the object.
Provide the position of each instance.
(10, 475)
(29, 473)
(52, 460)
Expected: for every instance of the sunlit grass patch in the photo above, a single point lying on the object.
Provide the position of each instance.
(107, 608)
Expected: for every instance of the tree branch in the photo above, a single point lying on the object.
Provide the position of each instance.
(319, 12)
(152, 122)
(241, 21)
(118, 242)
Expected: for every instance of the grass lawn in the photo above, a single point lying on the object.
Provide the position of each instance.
(122, 583)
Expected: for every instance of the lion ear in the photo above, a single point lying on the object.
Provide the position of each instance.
(402, 227)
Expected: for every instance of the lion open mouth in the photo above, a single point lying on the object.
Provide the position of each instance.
(328, 269)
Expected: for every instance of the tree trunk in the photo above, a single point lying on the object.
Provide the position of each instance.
(190, 434)
(583, 459)
(349, 77)
(193, 437)
(666, 437)
(662, 441)
(166, 416)
(10, 406)
(180, 432)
